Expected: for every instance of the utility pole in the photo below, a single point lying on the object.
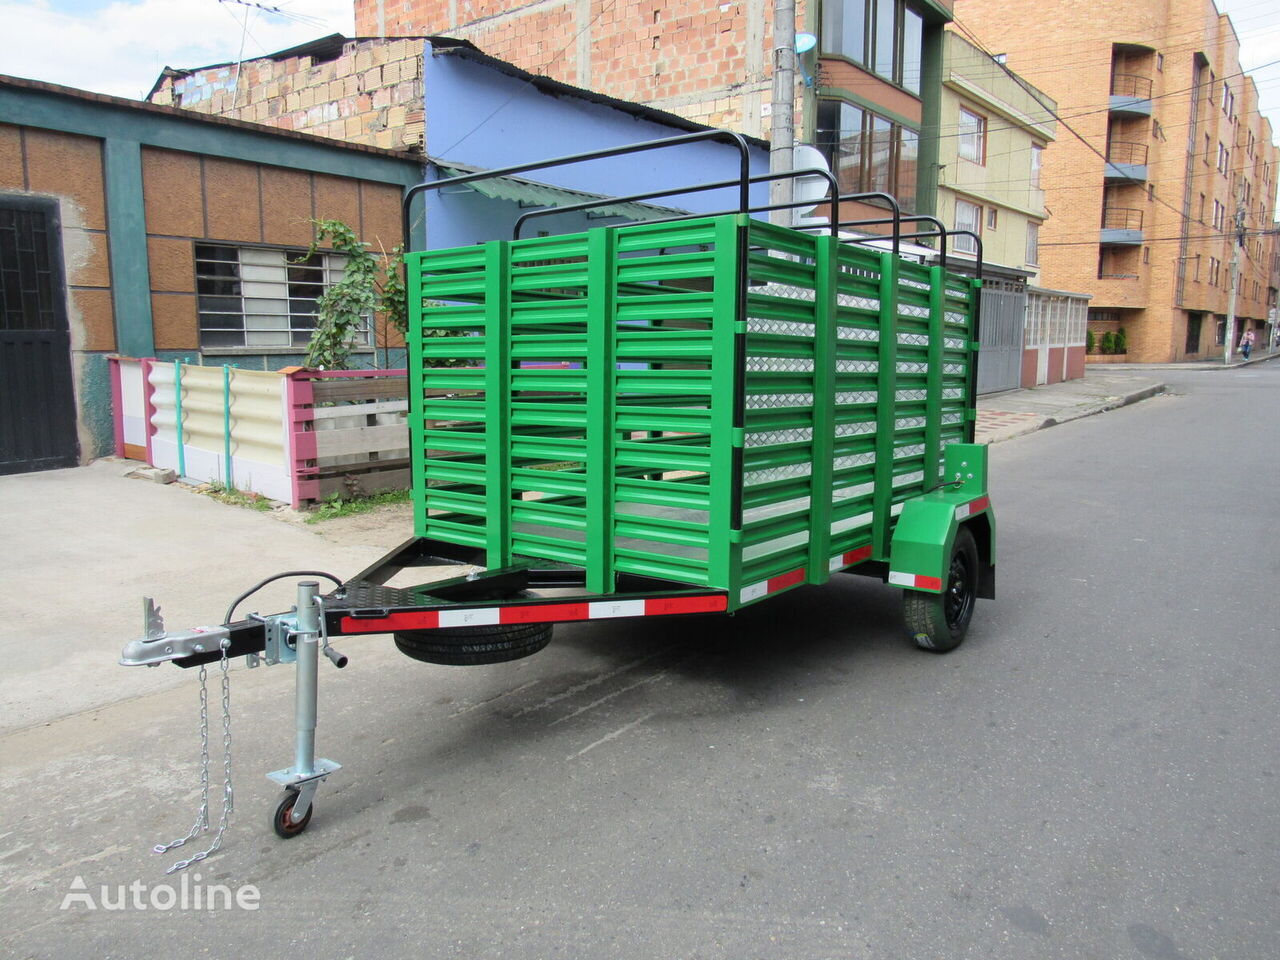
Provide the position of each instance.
(1229, 344)
(782, 134)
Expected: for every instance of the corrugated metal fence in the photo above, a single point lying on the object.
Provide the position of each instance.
(293, 435)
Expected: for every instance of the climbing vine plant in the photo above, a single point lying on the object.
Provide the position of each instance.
(370, 285)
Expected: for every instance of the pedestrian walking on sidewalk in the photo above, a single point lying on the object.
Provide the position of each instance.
(1246, 344)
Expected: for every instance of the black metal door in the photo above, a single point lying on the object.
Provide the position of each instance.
(37, 401)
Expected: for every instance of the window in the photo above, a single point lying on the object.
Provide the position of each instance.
(1157, 132)
(1037, 159)
(844, 29)
(884, 36)
(1219, 216)
(1151, 192)
(868, 152)
(262, 296)
(1033, 243)
(1200, 217)
(973, 136)
(883, 46)
(1224, 159)
(993, 217)
(912, 49)
(1146, 254)
(1160, 62)
(968, 217)
(1207, 148)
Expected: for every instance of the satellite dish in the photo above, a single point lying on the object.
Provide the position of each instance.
(808, 157)
(805, 42)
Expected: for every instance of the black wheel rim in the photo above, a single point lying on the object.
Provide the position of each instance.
(960, 593)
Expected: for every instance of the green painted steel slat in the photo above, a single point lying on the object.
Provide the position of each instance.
(886, 389)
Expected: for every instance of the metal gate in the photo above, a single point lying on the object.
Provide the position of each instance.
(1004, 308)
(37, 401)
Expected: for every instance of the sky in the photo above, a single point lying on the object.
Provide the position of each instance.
(120, 46)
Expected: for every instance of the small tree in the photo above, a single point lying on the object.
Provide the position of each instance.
(1122, 341)
(1089, 343)
(1108, 342)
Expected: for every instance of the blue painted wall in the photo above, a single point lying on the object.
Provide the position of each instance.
(478, 116)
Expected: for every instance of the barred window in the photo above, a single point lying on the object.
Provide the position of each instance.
(263, 296)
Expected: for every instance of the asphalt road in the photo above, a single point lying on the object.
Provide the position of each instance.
(1094, 774)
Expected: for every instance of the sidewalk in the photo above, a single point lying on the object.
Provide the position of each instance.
(1003, 416)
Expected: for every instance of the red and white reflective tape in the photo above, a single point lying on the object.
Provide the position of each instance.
(772, 585)
(848, 559)
(916, 581)
(538, 613)
(972, 507)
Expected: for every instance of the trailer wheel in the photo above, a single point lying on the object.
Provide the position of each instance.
(280, 822)
(474, 646)
(938, 621)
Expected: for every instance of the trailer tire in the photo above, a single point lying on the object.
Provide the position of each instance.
(475, 646)
(937, 622)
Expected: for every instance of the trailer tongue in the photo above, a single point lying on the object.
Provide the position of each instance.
(655, 419)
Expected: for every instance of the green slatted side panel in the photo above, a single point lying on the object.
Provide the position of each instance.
(675, 305)
(958, 355)
(912, 464)
(858, 279)
(780, 444)
(614, 377)
(448, 436)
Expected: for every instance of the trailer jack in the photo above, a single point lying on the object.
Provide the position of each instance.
(297, 637)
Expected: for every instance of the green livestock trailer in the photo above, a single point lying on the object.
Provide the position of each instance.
(672, 418)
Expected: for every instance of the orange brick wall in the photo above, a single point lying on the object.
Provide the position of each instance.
(1078, 75)
(710, 63)
(190, 198)
(69, 168)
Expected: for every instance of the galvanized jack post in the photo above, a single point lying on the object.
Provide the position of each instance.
(301, 780)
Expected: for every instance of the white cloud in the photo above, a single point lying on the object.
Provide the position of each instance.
(120, 48)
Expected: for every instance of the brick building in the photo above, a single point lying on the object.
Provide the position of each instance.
(367, 91)
(153, 232)
(1171, 160)
(869, 95)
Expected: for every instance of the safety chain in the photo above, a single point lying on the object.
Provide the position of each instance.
(228, 798)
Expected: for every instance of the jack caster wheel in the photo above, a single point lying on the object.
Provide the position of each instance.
(284, 827)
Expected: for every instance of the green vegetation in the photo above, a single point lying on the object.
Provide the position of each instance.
(371, 285)
(1122, 341)
(1089, 342)
(1108, 342)
(237, 498)
(335, 506)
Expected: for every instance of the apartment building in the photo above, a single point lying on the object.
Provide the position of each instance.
(995, 131)
(1163, 174)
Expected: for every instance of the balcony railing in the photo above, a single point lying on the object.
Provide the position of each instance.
(1131, 85)
(1127, 153)
(1121, 218)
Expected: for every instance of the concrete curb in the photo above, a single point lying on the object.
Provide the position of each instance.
(1110, 403)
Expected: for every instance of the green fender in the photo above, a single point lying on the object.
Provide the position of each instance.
(920, 551)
